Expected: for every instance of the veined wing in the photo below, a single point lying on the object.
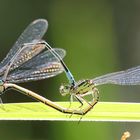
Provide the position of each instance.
(41, 72)
(33, 32)
(128, 77)
(23, 55)
(44, 65)
(42, 58)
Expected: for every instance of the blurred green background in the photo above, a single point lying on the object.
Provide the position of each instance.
(100, 36)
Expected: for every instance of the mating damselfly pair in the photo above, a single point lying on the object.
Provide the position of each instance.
(31, 58)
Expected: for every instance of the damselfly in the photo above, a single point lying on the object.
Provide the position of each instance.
(29, 60)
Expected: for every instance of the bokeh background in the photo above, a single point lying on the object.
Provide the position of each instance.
(100, 36)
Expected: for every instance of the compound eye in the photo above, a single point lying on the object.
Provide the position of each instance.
(61, 88)
(64, 90)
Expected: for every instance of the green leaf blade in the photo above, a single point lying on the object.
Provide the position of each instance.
(103, 111)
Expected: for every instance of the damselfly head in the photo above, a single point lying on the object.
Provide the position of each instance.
(64, 90)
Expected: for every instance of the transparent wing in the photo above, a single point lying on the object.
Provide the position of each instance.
(128, 77)
(43, 58)
(42, 66)
(22, 56)
(34, 31)
(41, 72)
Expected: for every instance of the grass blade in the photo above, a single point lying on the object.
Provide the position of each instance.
(103, 111)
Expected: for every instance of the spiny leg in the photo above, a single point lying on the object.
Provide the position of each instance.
(82, 99)
(94, 92)
(79, 99)
(95, 99)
